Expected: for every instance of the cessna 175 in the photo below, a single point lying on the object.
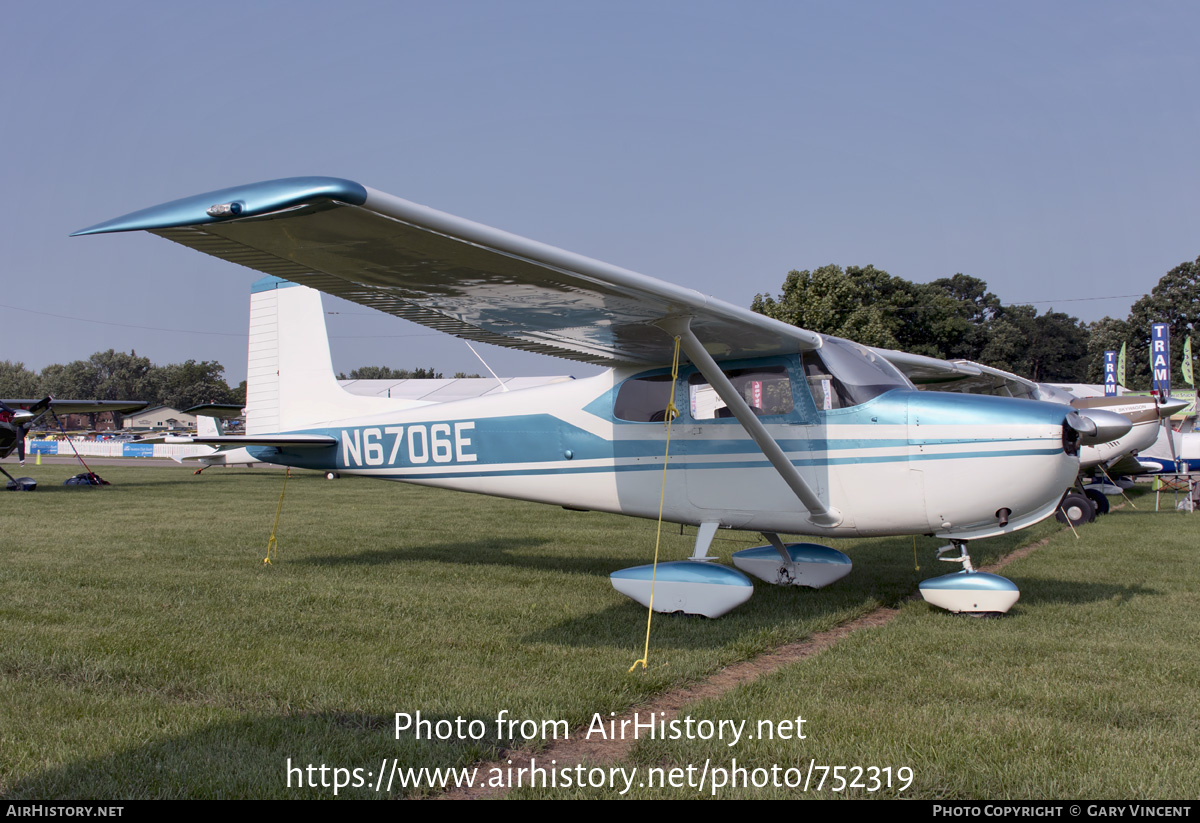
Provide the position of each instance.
(779, 429)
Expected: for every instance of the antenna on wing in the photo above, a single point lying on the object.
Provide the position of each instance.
(485, 365)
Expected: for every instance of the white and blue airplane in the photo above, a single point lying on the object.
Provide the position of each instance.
(778, 429)
(1173, 451)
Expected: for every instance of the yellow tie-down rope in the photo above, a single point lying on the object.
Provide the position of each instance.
(672, 411)
(272, 546)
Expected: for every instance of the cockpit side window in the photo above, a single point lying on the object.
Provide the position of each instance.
(766, 389)
(842, 374)
(643, 399)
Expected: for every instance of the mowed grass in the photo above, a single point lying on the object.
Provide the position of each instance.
(148, 651)
(1089, 688)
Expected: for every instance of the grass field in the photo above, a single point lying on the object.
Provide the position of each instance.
(148, 651)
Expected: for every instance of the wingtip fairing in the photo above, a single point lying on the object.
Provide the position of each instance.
(237, 202)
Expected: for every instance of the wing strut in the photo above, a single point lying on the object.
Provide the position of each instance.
(819, 513)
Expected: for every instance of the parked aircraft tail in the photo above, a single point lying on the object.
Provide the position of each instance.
(290, 382)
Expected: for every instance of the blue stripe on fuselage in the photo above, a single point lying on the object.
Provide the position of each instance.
(455, 445)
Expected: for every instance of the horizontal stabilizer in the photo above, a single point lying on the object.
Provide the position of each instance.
(291, 441)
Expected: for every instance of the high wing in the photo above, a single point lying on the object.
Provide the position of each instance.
(19, 414)
(929, 371)
(78, 406)
(221, 411)
(968, 377)
(454, 275)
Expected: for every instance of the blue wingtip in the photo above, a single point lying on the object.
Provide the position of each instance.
(247, 201)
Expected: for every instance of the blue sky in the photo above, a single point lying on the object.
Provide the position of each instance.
(1047, 148)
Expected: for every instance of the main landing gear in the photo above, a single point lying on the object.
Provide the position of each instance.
(1076, 508)
(697, 586)
(968, 591)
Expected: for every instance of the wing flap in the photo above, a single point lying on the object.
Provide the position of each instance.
(223, 411)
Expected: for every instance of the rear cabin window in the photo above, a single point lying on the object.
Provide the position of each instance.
(643, 399)
(766, 389)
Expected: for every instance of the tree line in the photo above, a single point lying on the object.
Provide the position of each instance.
(114, 375)
(388, 373)
(951, 318)
(958, 318)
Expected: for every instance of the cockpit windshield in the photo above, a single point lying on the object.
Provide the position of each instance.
(842, 374)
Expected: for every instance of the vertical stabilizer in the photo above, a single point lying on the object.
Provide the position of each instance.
(290, 382)
(208, 426)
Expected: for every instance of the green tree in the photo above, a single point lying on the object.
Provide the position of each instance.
(955, 317)
(1008, 336)
(183, 385)
(1051, 347)
(1106, 334)
(946, 318)
(120, 376)
(962, 331)
(18, 382)
(388, 373)
(76, 380)
(1058, 349)
(113, 375)
(864, 304)
(1174, 300)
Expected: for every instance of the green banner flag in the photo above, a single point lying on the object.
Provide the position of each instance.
(1187, 361)
(1121, 366)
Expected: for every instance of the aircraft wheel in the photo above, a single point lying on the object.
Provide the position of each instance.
(1098, 500)
(332, 475)
(1076, 509)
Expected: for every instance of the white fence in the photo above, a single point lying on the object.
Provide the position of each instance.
(108, 448)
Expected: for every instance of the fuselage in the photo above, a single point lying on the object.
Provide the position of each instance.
(898, 462)
(1143, 413)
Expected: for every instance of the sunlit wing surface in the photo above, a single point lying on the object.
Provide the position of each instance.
(960, 376)
(929, 372)
(454, 275)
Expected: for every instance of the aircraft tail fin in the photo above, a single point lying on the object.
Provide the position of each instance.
(208, 426)
(290, 382)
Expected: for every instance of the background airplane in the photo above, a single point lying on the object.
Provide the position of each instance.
(19, 416)
(1174, 451)
(209, 417)
(776, 429)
